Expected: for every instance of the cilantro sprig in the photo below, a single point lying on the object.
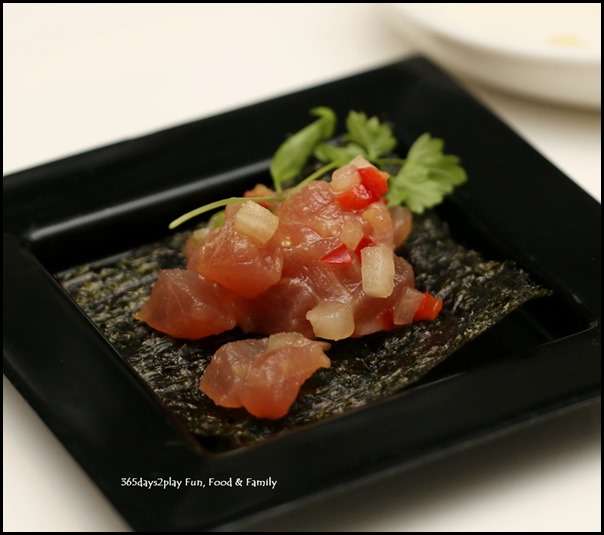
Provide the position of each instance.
(423, 179)
(374, 137)
(291, 157)
(365, 136)
(426, 176)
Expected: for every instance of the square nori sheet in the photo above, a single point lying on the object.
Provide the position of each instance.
(476, 293)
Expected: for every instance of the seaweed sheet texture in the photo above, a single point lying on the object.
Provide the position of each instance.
(476, 293)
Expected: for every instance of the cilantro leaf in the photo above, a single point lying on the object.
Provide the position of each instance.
(426, 176)
(374, 137)
(291, 157)
(339, 155)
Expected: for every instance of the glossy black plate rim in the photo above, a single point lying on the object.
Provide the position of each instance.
(66, 211)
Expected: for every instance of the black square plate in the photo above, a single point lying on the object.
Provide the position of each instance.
(93, 205)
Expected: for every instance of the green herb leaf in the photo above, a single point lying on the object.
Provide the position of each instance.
(291, 157)
(426, 176)
(374, 137)
(338, 155)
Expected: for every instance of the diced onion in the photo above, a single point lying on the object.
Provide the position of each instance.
(344, 178)
(351, 234)
(331, 320)
(255, 221)
(377, 270)
(378, 217)
(405, 307)
(359, 161)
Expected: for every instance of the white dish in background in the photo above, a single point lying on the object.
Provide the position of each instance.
(549, 51)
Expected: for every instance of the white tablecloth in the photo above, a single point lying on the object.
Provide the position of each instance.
(80, 76)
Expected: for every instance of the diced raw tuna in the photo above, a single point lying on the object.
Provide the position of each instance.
(320, 263)
(184, 304)
(239, 262)
(263, 376)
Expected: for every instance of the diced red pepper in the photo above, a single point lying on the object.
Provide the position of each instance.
(429, 308)
(373, 186)
(365, 241)
(356, 198)
(375, 181)
(339, 255)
